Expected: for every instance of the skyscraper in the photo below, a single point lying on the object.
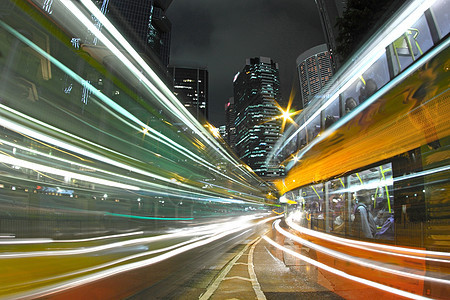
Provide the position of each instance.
(256, 93)
(329, 11)
(223, 132)
(144, 24)
(230, 117)
(314, 70)
(190, 85)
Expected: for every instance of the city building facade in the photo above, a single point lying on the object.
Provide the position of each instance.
(256, 96)
(223, 132)
(329, 11)
(143, 23)
(230, 118)
(190, 85)
(314, 68)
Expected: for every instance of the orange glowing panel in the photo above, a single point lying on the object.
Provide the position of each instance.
(413, 113)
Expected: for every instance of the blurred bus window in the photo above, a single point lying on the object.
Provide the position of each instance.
(313, 129)
(331, 114)
(336, 206)
(413, 43)
(314, 206)
(302, 139)
(440, 11)
(376, 76)
(350, 96)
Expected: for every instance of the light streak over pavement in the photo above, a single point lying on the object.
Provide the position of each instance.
(375, 247)
(224, 231)
(356, 260)
(343, 274)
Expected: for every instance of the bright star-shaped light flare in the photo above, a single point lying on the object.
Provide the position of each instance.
(287, 115)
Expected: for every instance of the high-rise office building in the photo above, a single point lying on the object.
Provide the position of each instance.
(329, 11)
(190, 85)
(314, 70)
(223, 132)
(256, 93)
(230, 117)
(144, 24)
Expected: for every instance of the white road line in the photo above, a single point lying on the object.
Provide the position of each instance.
(251, 270)
(213, 287)
(237, 277)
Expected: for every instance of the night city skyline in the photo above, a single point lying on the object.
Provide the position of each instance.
(113, 186)
(221, 36)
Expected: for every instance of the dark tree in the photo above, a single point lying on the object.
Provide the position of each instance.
(361, 19)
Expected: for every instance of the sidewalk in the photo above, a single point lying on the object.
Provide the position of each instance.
(260, 271)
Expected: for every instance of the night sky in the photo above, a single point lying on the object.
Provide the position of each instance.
(220, 35)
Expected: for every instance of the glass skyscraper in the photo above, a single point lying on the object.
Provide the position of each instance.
(256, 95)
(314, 68)
(329, 11)
(144, 24)
(190, 85)
(230, 117)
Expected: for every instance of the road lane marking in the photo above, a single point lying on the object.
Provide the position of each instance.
(251, 270)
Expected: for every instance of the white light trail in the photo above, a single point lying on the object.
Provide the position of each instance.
(365, 58)
(145, 185)
(117, 261)
(57, 142)
(343, 274)
(85, 250)
(14, 241)
(42, 168)
(355, 260)
(422, 173)
(107, 101)
(165, 97)
(214, 229)
(415, 253)
(179, 111)
(139, 264)
(42, 241)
